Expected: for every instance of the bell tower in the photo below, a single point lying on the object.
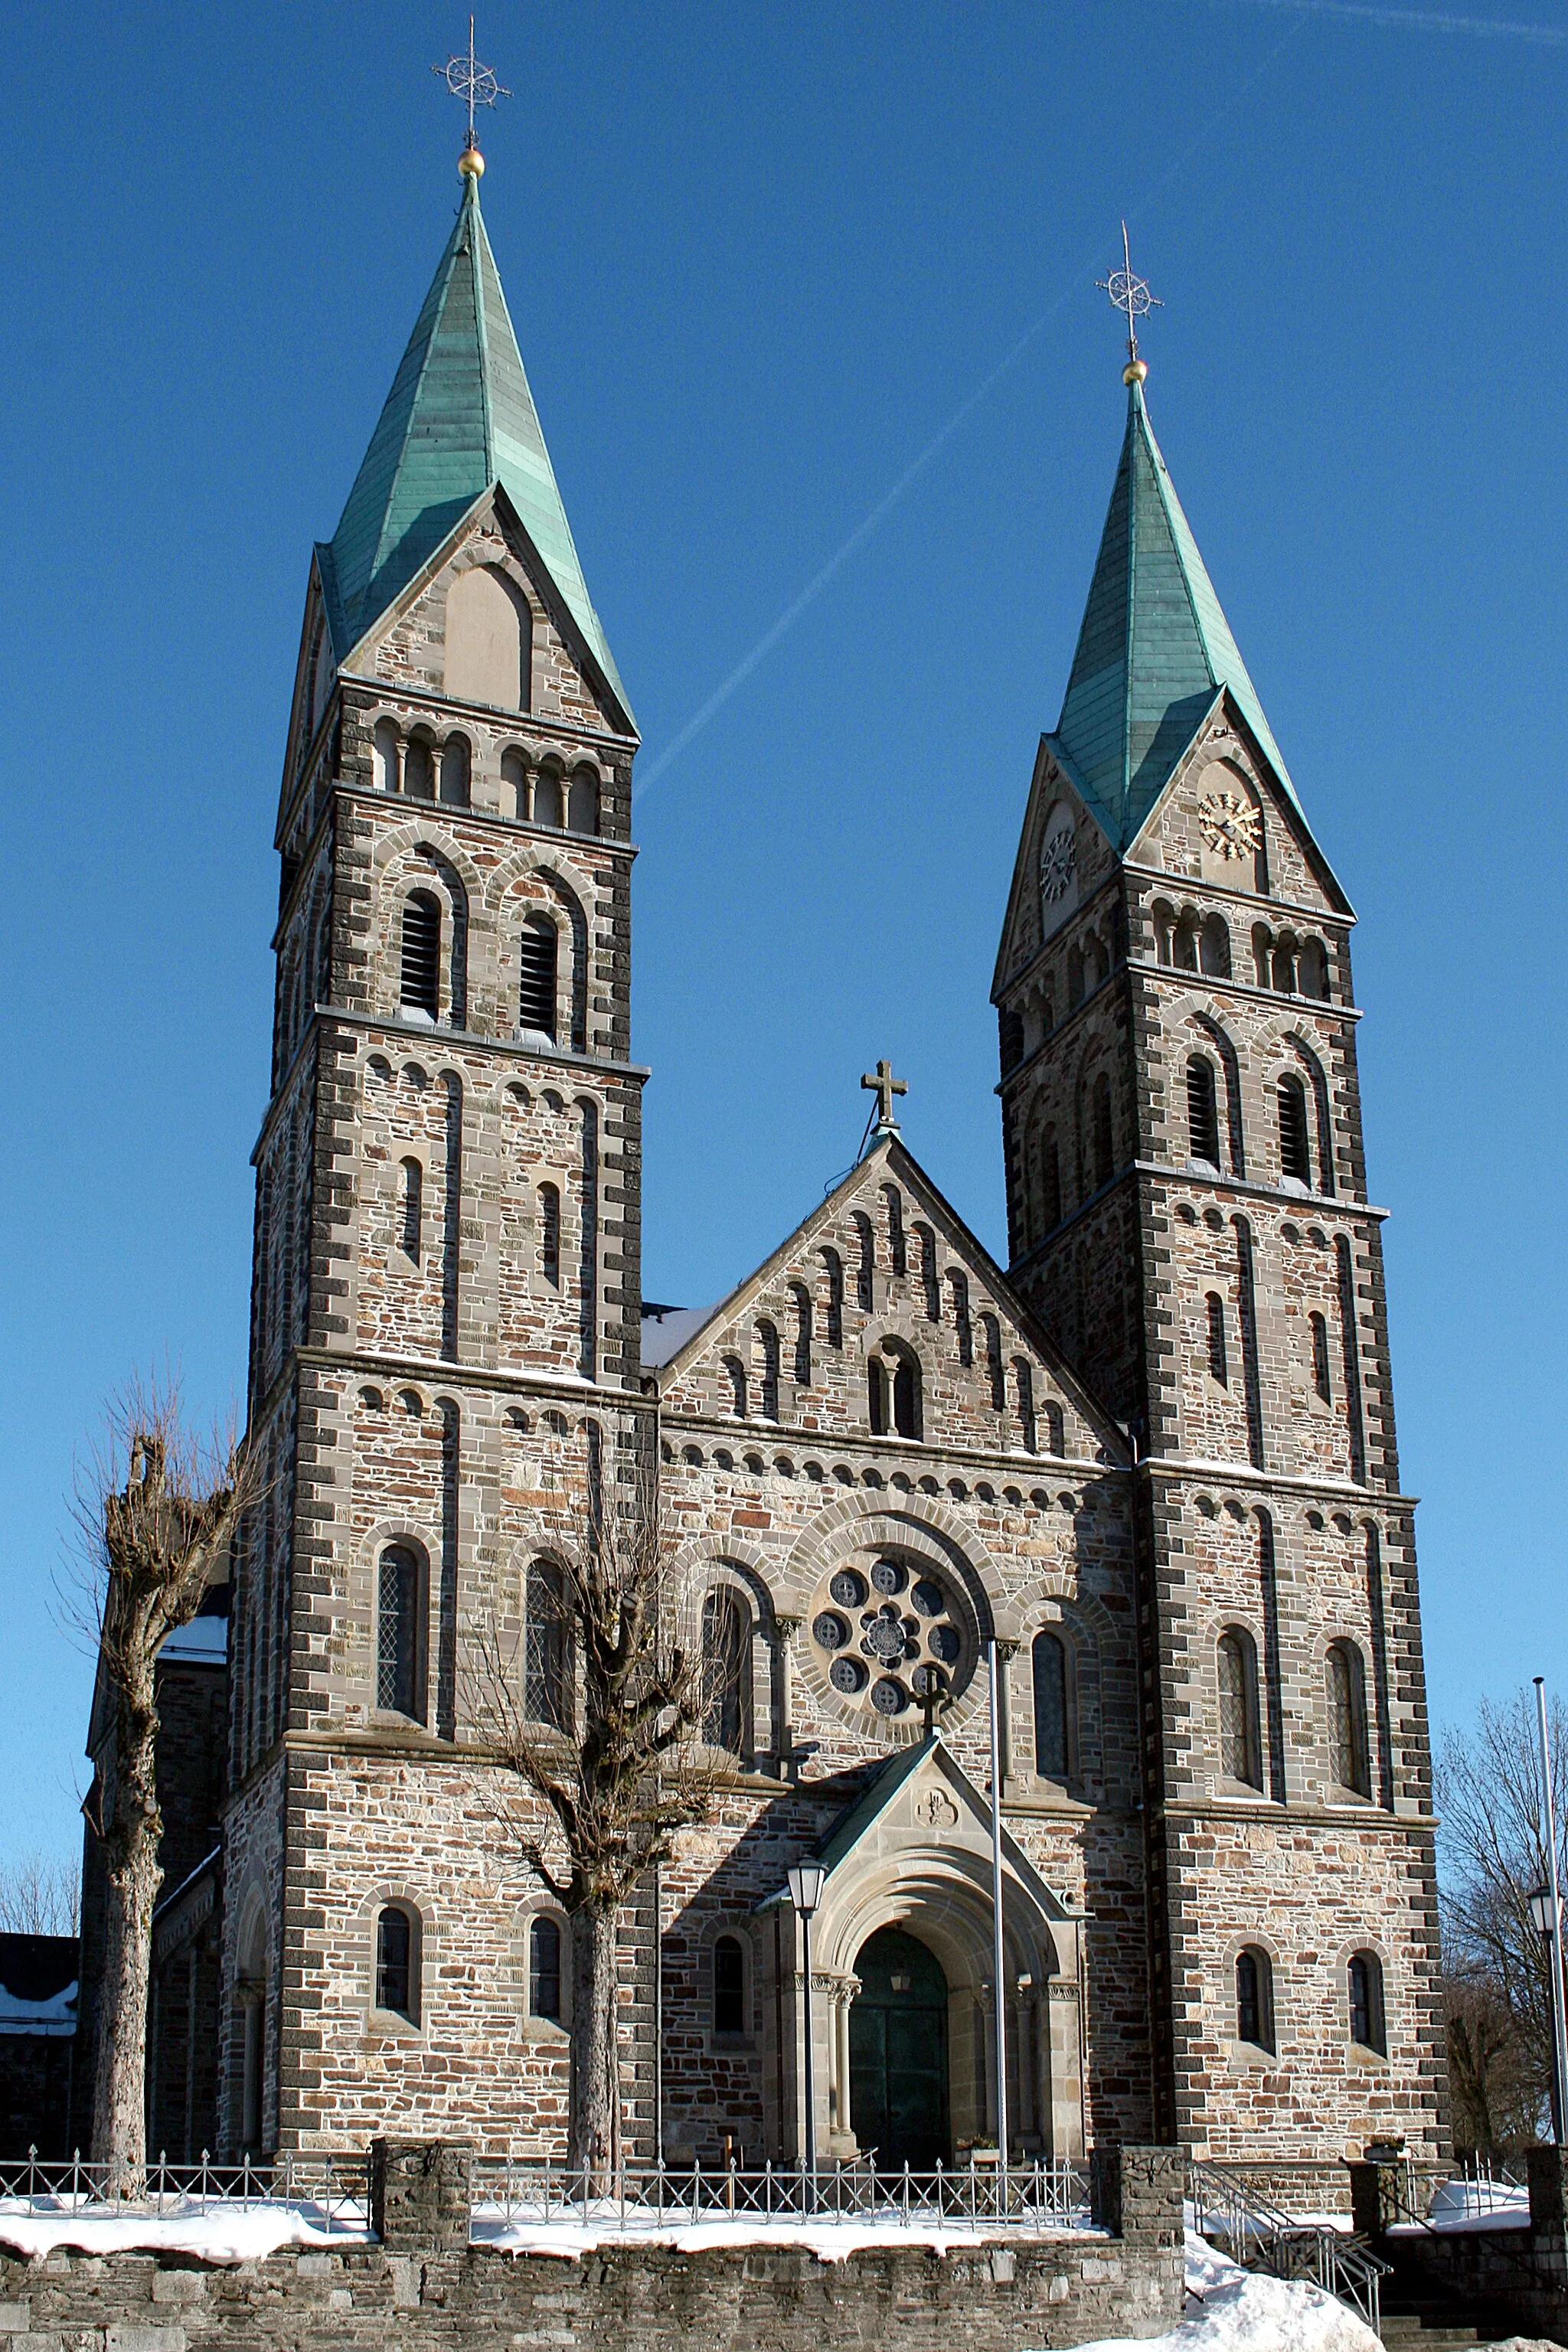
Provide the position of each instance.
(1188, 1213)
(446, 1313)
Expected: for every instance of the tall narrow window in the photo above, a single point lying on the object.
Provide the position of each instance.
(1104, 1140)
(395, 1964)
(723, 1660)
(1322, 1386)
(420, 987)
(1219, 1369)
(583, 802)
(544, 1969)
(1203, 1113)
(419, 769)
(1213, 948)
(768, 1341)
(1239, 1740)
(801, 1299)
(454, 772)
(1295, 1149)
(1364, 1985)
(865, 1281)
(1255, 1999)
(413, 1198)
(1023, 1383)
(397, 1630)
(737, 1375)
(515, 784)
(832, 1305)
(930, 1280)
(547, 809)
(1348, 1758)
(959, 1287)
(546, 1695)
(897, 1254)
(537, 946)
(994, 1363)
(1052, 1750)
(877, 1396)
(906, 1396)
(550, 1235)
(728, 1986)
(383, 756)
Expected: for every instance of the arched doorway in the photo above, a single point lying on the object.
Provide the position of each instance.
(898, 2053)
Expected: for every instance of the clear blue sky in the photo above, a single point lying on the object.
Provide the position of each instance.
(759, 258)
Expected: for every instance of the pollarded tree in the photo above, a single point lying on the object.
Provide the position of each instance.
(601, 1718)
(157, 1506)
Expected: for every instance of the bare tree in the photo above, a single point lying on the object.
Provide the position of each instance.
(1494, 2084)
(40, 1896)
(1492, 1857)
(603, 1727)
(156, 1507)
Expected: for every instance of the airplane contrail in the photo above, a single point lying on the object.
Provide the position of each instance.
(1422, 20)
(863, 530)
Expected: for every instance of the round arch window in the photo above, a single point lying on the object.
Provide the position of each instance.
(888, 1633)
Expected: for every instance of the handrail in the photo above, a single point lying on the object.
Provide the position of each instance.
(334, 2187)
(1263, 2237)
(1042, 2193)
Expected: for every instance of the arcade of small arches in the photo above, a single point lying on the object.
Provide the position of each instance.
(536, 788)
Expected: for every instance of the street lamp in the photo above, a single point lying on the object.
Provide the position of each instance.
(805, 1883)
(1545, 1913)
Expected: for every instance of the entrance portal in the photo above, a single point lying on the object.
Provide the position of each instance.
(898, 2053)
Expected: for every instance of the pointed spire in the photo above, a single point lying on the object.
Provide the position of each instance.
(459, 418)
(1154, 648)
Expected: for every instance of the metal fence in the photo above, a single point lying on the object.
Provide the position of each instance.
(332, 2190)
(1039, 2195)
(1266, 2238)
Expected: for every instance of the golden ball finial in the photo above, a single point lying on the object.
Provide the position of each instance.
(1135, 372)
(471, 163)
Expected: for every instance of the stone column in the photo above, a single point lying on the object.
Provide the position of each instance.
(785, 1630)
(840, 1993)
(421, 2194)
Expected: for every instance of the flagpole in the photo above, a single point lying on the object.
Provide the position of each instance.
(999, 1957)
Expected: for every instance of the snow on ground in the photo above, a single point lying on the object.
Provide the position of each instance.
(829, 2239)
(1476, 2205)
(231, 2232)
(1233, 2310)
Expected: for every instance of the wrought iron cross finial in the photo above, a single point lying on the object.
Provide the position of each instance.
(466, 78)
(884, 1086)
(1131, 295)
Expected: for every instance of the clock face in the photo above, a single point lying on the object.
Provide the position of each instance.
(1058, 863)
(1229, 825)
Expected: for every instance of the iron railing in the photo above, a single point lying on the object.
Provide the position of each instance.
(334, 2191)
(1262, 2238)
(1040, 2194)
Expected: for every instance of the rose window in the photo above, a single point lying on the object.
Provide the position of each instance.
(888, 1635)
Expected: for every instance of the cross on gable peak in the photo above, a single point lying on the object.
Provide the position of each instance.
(884, 1086)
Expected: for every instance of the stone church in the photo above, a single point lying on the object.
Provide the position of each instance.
(1152, 1457)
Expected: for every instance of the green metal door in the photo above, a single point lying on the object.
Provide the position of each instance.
(898, 2053)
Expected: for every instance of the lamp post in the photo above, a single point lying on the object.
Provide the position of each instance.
(805, 1883)
(1548, 1919)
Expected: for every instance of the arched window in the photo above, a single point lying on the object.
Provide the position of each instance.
(1010, 1026)
(1295, 1149)
(993, 1365)
(1255, 1999)
(1284, 973)
(1053, 1751)
(958, 1286)
(1322, 1386)
(413, 1196)
(515, 784)
(801, 1299)
(397, 1630)
(1364, 1985)
(724, 1647)
(1213, 948)
(1102, 1137)
(396, 1976)
(583, 802)
(1184, 946)
(906, 1396)
(728, 1986)
(1348, 1758)
(1203, 1112)
(383, 756)
(1056, 1431)
(1219, 1368)
(1312, 970)
(1097, 963)
(737, 1372)
(544, 1968)
(550, 1235)
(1050, 1183)
(537, 947)
(1239, 1740)
(419, 769)
(419, 988)
(865, 1273)
(547, 807)
(768, 1342)
(546, 1695)
(1024, 1384)
(898, 1257)
(832, 1304)
(931, 1279)
(454, 772)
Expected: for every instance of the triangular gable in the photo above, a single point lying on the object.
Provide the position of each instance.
(891, 1158)
(931, 1762)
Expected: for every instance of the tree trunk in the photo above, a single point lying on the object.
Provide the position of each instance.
(595, 2049)
(132, 1831)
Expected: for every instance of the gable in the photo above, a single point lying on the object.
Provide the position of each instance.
(1226, 819)
(1064, 854)
(885, 1275)
(918, 1796)
(315, 675)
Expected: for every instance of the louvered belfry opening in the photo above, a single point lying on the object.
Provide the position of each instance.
(536, 993)
(1202, 1114)
(420, 987)
(1295, 1151)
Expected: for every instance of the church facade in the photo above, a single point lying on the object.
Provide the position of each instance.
(1153, 1459)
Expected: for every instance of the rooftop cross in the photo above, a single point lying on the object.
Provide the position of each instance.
(466, 78)
(1131, 296)
(884, 1086)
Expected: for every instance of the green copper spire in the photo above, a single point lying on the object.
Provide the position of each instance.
(459, 417)
(1154, 650)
